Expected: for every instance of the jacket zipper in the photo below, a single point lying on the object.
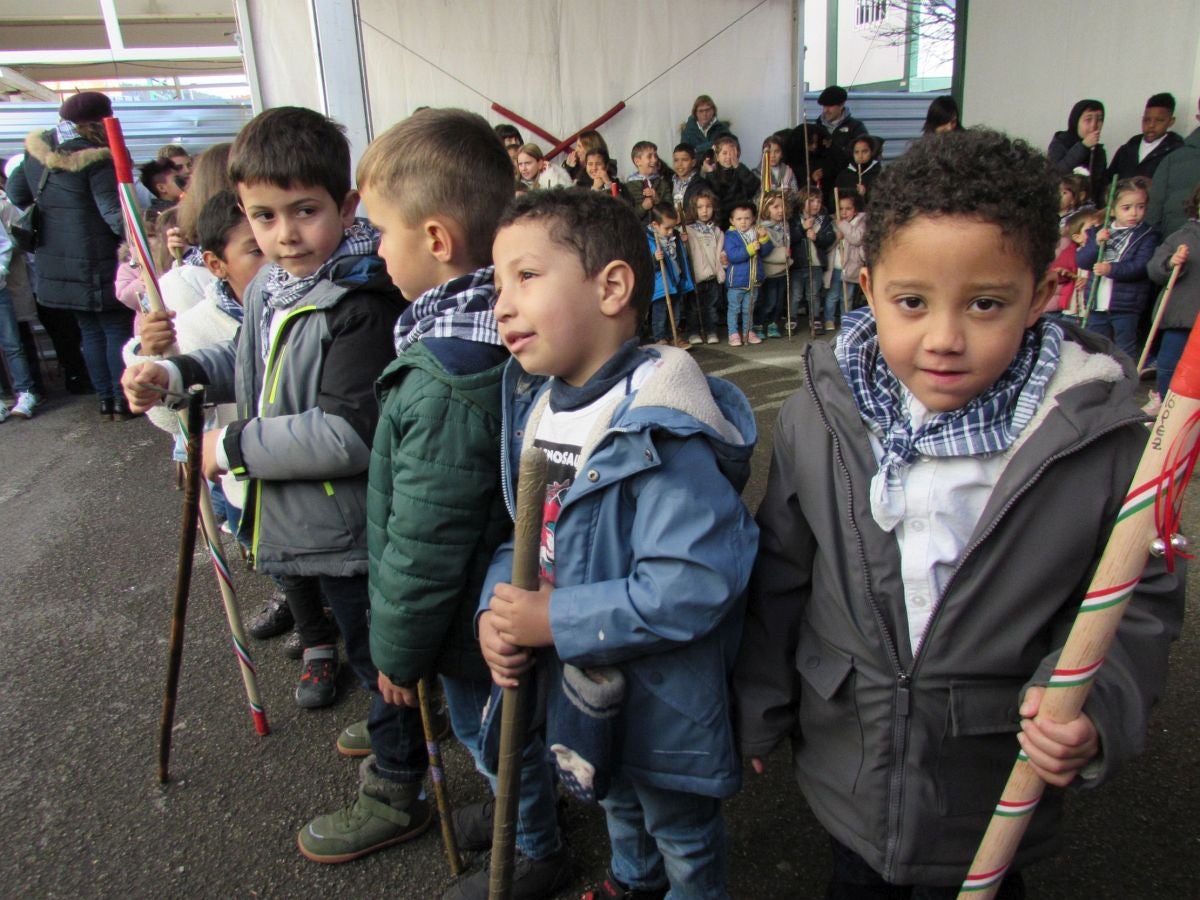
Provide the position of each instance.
(272, 360)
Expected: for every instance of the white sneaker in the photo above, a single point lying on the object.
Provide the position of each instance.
(1153, 405)
(23, 408)
(3, 413)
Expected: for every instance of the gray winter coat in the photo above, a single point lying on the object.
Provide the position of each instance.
(903, 759)
(307, 446)
(1184, 304)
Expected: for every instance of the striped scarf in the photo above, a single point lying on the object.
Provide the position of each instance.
(226, 302)
(460, 308)
(989, 423)
(281, 290)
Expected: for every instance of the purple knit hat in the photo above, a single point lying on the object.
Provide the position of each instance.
(86, 106)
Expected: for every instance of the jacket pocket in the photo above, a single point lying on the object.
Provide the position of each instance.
(978, 747)
(830, 739)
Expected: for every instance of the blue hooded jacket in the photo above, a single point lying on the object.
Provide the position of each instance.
(653, 551)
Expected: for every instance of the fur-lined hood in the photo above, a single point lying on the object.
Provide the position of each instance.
(38, 145)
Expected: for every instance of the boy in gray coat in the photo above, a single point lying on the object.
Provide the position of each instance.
(939, 496)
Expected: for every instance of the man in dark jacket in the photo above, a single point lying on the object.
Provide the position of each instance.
(834, 134)
(1141, 154)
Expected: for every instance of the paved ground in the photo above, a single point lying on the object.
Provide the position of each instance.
(89, 526)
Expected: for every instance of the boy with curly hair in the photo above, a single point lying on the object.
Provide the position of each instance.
(905, 614)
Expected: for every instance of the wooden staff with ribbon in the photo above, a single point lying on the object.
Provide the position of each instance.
(1158, 314)
(527, 536)
(437, 774)
(1145, 525)
(135, 234)
(662, 268)
(1100, 246)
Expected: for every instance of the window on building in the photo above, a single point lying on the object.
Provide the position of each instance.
(869, 12)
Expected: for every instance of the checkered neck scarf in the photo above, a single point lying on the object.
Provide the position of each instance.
(460, 308)
(228, 303)
(987, 424)
(193, 257)
(1118, 240)
(281, 290)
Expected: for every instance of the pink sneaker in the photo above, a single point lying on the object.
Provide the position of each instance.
(752, 337)
(735, 340)
(1153, 405)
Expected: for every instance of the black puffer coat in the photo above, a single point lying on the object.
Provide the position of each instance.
(81, 225)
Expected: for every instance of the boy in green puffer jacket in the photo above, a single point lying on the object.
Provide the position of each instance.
(435, 511)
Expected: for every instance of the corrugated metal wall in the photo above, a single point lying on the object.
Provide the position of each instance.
(148, 125)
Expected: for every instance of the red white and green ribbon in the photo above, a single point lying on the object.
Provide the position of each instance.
(135, 234)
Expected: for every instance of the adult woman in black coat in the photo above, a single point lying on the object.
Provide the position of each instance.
(81, 229)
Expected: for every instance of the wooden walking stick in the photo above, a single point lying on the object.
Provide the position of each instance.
(787, 274)
(531, 494)
(183, 579)
(1158, 317)
(837, 205)
(438, 776)
(1100, 246)
(1145, 525)
(662, 268)
(135, 234)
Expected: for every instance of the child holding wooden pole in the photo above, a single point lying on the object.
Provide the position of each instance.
(905, 616)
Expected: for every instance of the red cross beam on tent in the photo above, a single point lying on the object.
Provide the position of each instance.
(559, 146)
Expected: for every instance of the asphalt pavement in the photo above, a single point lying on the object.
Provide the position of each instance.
(89, 525)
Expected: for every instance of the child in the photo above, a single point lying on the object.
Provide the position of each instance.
(671, 262)
(315, 335)
(863, 169)
(535, 173)
(1068, 300)
(574, 162)
(985, 453)
(159, 177)
(647, 186)
(687, 180)
(1073, 197)
(1141, 154)
(731, 181)
(812, 234)
(1124, 289)
(704, 244)
(781, 178)
(1180, 315)
(846, 260)
(772, 293)
(599, 169)
(743, 245)
(646, 543)
(435, 475)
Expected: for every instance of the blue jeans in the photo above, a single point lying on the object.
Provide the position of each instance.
(741, 302)
(10, 343)
(806, 296)
(537, 817)
(659, 327)
(661, 836)
(770, 297)
(833, 297)
(1169, 350)
(1119, 327)
(708, 294)
(104, 334)
(397, 738)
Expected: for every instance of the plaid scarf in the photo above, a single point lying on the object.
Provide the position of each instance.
(281, 290)
(989, 423)
(193, 257)
(1118, 240)
(460, 308)
(226, 302)
(66, 131)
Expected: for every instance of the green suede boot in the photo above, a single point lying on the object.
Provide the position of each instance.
(384, 813)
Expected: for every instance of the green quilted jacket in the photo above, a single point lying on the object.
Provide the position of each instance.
(435, 515)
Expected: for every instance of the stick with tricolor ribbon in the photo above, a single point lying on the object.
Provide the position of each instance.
(1145, 524)
(135, 234)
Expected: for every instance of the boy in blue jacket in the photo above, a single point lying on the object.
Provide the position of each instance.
(669, 260)
(744, 247)
(1125, 289)
(646, 544)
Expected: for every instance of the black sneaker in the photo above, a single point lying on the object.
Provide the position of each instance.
(293, 646)
(473, 824)
(274, 620)
(318, 679)
(611, 889)
(533, 879)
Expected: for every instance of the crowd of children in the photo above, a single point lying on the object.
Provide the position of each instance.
(378, 380)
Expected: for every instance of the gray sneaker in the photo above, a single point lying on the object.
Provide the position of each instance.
(3, 412)
(27, 401)
(318, 678)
